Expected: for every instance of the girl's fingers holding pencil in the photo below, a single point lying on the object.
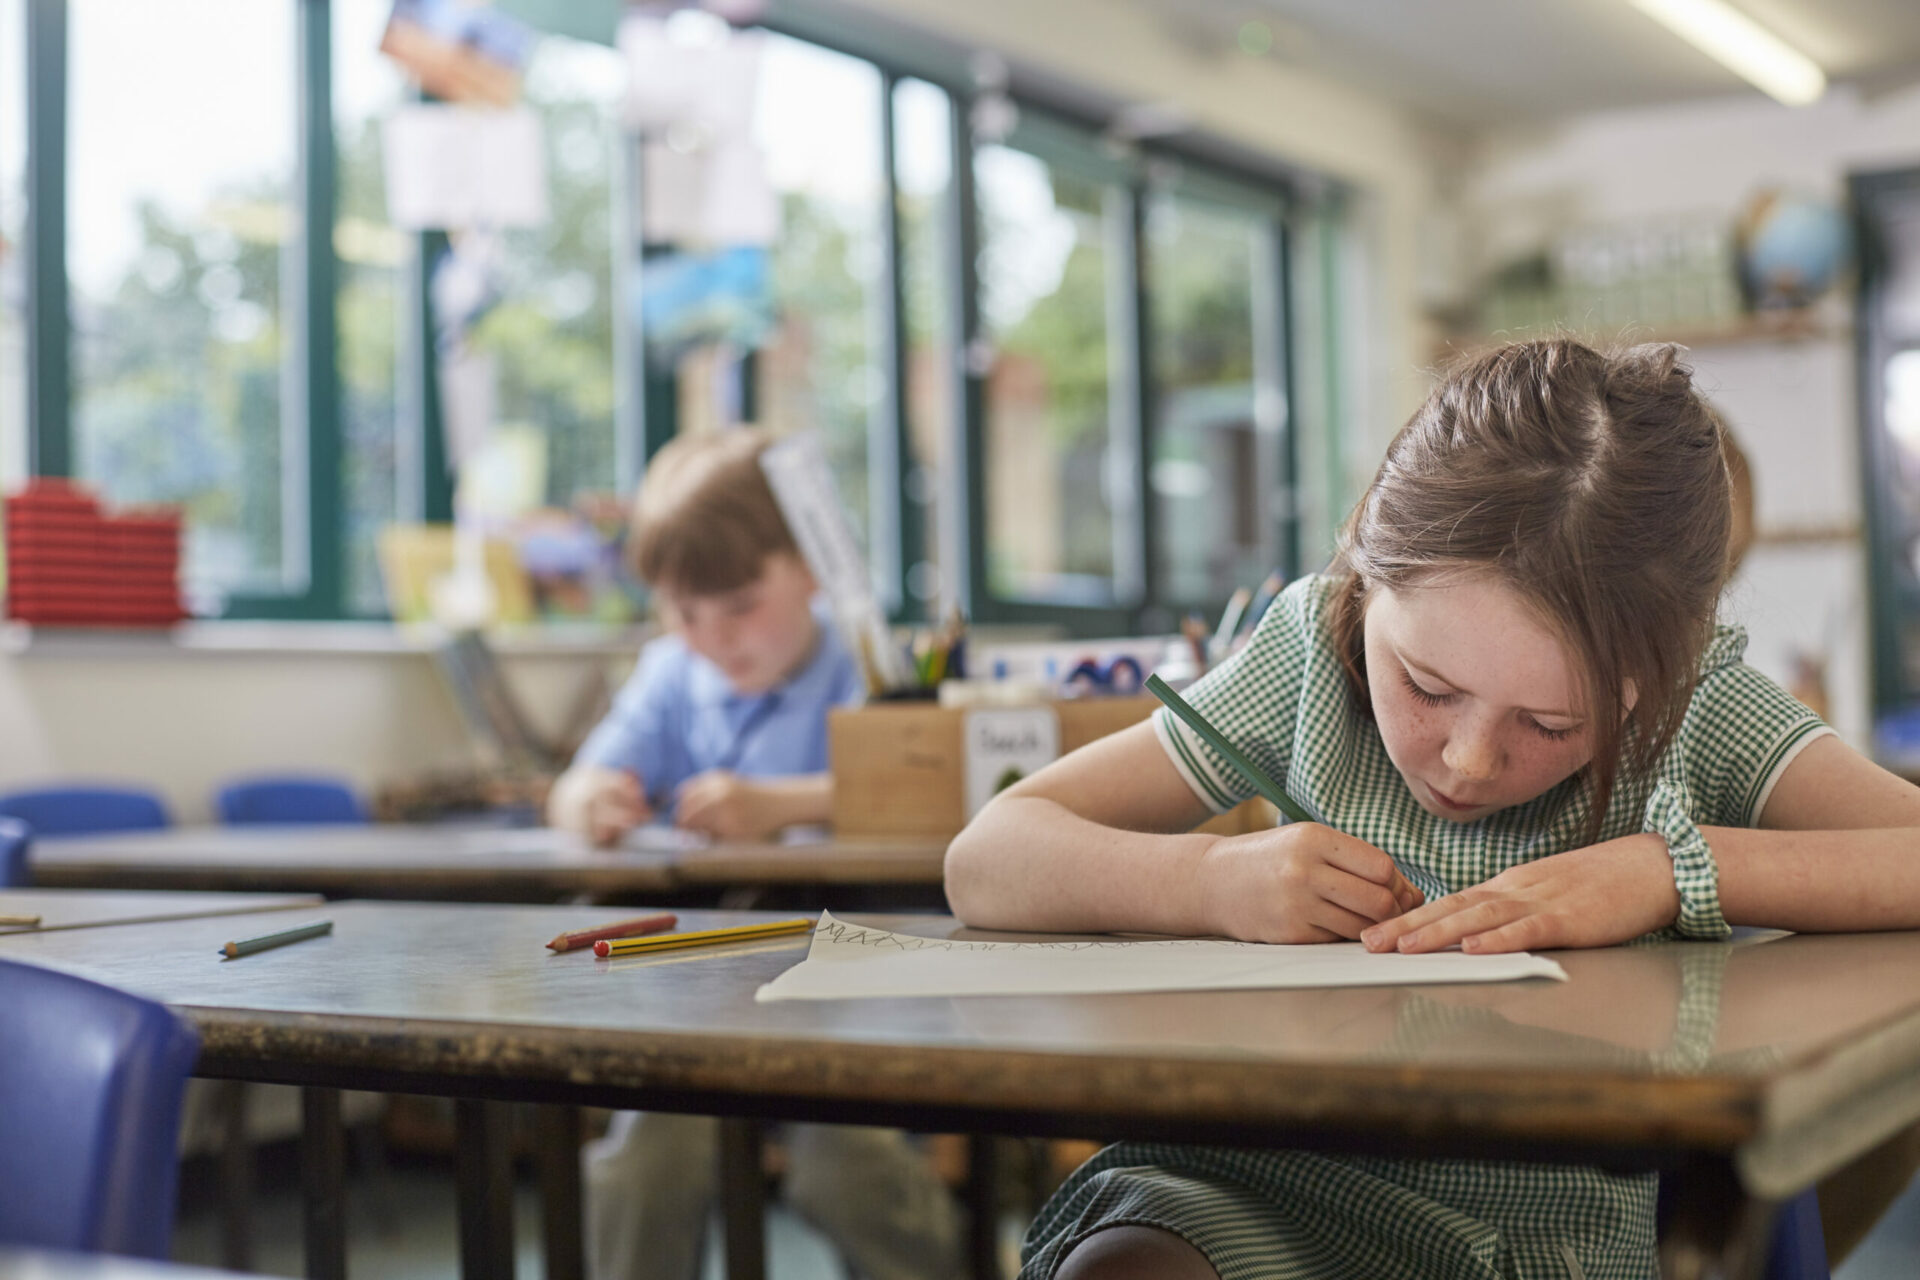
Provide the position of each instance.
(1362, 898)
(1337, 921)
(1369, 863)
(1298, 883)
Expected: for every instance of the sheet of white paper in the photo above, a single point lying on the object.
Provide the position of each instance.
(469, 401)
(710, 88)
(658, 837)
(454, 167)
(849, 961)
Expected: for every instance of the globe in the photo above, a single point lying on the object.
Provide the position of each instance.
(1791, 249)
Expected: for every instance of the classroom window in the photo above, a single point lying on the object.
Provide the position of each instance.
(923, 175)
(380, 472)
(818, 125)
(13, 226)
(1210, 464)
(1045, 307)
(185, 255)
(551, 331)
(180, 217)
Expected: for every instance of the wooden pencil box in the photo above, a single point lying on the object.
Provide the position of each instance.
(901, 768)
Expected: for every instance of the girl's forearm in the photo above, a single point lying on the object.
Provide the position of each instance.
(1030, 863)
(1818, 881)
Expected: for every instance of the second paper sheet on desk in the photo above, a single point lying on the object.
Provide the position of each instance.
(847, 960)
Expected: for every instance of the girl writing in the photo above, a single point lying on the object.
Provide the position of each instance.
(1509, 708)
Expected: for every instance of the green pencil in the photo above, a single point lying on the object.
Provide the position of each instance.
(1261, 783)
(247, 946)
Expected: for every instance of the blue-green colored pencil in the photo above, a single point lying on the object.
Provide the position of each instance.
(266, 942)
(1261, 782)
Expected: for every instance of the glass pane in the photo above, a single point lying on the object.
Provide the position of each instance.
(13, 226)
(180, 181)
(1203, 261)
(374, 259)
(818, 123)
(1043, 303)
(923, 152)
(551, 332)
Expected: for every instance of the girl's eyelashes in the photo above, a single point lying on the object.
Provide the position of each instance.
(1553, 735)
(1433, 699)
(1423, 695)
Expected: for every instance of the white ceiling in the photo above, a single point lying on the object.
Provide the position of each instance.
(1487, 61)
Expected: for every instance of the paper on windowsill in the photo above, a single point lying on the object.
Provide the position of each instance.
(847, 961)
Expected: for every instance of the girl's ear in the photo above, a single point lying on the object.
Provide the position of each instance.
(1629, 694)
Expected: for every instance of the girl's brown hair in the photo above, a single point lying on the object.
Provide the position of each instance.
(705, 519)
(1594, 486)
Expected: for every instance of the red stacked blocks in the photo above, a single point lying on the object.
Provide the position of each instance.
(70, 565)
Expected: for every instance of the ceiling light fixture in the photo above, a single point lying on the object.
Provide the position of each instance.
(1736, 41)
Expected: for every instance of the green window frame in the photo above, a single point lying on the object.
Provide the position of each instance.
(1053, 123)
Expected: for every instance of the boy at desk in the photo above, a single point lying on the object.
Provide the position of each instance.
(723, 729)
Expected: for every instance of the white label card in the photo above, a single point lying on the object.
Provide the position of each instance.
(1004, 745)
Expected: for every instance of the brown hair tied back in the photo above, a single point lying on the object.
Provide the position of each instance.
(1594, 487)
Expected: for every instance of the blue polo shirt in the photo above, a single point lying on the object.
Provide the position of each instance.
(677, 717)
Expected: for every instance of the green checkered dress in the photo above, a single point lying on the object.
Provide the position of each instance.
(1271, 1215)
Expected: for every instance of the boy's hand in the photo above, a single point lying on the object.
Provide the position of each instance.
(727, 807)
(598, 803)
(1303, 882)
(1592, 897)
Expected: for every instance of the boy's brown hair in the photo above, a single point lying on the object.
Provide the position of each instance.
(705, 519)
(1595, 487)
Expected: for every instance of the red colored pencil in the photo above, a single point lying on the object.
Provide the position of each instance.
(622, 929)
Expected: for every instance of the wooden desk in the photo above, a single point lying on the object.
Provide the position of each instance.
(90, 908)
(1793, 1056)
(471, 864)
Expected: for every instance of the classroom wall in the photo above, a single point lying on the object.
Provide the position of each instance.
(183, 719)
(1792, 403)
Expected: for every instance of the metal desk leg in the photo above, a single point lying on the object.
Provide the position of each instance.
(236, 1176)
(484, 1180)
(743, 1199)
(557, 1150)
(983, 1204)
(1716, 1231)
(323, 1166)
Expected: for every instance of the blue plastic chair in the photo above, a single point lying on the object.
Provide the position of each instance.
(90, 1089)
(288, 800)
(1798, 1249)
(16, 839)
(72, 811)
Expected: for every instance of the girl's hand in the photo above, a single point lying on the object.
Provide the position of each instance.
(726, 807)
(1300, 883)
(1592, 897)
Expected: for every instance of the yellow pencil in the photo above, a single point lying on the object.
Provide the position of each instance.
(700, 937)
(19, 920)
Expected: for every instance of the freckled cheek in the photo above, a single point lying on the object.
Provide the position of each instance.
(1413, 732)
(1543, 764)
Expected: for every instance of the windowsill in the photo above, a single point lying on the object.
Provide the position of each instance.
(332, 639)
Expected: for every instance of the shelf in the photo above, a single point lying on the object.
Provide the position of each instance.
(1765, 327)
(1808, 535)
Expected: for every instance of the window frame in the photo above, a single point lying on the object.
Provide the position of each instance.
(1056, 122)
